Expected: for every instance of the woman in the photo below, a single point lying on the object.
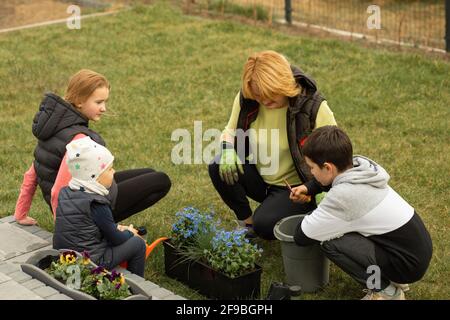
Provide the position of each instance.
(275, 97)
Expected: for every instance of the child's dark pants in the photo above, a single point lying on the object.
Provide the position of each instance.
(274, 200)
(132, 251)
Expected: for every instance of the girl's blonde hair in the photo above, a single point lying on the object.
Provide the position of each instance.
(272, 75)
(82, 84)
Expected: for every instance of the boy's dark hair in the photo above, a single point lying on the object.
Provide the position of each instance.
(329, 144)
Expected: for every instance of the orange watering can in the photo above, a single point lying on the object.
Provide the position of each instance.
(148, 250)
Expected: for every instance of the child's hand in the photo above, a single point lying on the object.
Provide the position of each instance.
(27, 221)
(132, 229)
(129, 228)
(299, 194)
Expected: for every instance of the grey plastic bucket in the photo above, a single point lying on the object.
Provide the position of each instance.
(304, 266)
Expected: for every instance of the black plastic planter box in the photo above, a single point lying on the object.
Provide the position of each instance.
(211, 283)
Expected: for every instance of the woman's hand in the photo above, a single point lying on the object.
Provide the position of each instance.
(229, 166)
(299, 194)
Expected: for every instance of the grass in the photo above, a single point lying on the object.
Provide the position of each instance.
(257, 12)
(168, 69)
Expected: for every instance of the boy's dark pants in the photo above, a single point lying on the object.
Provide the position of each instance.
(274, 200)
(354, 253)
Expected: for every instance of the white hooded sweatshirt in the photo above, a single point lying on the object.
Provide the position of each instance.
(360, 200)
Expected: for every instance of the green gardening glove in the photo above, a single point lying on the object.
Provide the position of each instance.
(229, 165)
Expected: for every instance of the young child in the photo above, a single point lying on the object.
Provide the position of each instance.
(84, 220)
(361, 222)
(60, 121)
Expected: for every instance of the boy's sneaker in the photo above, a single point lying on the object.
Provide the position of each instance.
(250, 233)
(403, 286)
(380, 295)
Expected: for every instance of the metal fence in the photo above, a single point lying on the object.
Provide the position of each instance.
(407, 22)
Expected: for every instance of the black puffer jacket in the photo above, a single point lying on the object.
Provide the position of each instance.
(55, 125)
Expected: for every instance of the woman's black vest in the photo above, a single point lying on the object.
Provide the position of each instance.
(301, 119)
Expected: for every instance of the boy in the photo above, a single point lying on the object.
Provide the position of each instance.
(363, 225)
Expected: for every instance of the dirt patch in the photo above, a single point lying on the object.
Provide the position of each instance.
(15, 13)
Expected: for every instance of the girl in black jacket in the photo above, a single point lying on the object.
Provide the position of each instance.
(60, 121)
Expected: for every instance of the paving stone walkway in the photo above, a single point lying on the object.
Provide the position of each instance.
(18, 243)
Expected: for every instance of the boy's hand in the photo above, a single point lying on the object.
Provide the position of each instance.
(299, 194)
(121, 227)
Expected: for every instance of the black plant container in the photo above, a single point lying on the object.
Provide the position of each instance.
(209, 282)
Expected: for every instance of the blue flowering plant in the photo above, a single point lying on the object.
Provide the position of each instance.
(192, 226)
(232, 253)
(198, 236)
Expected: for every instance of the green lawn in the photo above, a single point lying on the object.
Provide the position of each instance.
(168, 69)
